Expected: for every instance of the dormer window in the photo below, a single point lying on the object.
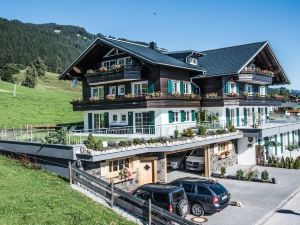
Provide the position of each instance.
(192, 61)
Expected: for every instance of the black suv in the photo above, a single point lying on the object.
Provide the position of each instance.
(204, 195)
(171, 198)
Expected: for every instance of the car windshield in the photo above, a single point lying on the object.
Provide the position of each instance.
(198, 152)
(218, 188)
(177, 196)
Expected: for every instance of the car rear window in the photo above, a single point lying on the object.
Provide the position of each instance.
(188, 188)
(161, 197)
(217, 188)
(177, 196)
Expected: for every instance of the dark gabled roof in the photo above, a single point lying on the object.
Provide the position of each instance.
(230, 60)
(153, 56)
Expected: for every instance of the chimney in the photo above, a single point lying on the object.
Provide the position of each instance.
(153, 45)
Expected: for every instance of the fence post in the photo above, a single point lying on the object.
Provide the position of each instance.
(70, 173)
(112, 192)
(149, 212)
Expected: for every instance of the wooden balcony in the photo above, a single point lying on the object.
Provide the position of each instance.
(137, 102)
(255, 77)
(126, 74)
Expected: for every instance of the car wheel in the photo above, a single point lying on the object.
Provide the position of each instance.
(182, 166)
(197, 209)
(182, 208)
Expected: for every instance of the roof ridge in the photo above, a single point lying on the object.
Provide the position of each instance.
(234, 46)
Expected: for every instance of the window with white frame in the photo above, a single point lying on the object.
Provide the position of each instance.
(108, 63)
(232, 87)
(97, 92)
(121, 89)
(123, 118)
(118, 165)
(112, 90)
(99, 121)
(187, 89)
(221, 146)
(115, 118)
(262, 90)
(176, 116)
(248, 88)
(187, 116)
(140, 88)
(175, 87)
(125, 62)
(192, 61)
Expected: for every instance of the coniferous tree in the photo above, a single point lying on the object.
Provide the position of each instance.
(31, 77)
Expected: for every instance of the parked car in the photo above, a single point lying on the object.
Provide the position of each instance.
(168, 197)
(177, 161)
(204, 195)
(195, 160)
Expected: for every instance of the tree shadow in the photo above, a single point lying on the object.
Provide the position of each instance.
(287, 211)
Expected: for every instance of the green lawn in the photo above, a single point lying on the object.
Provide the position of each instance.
(38, 197)
(48, 103)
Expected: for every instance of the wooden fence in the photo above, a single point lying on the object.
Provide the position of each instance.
(115, 196)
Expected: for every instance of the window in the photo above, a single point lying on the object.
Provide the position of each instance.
(176, 116)
(123, 118)
(140, 88)
(232, 87)
(188, 188)
(192, 61)
(125, 62)
(218, 189)
(198, 152)
(121, 90)
(97, 92)
(108, 63)
(187, 88)
(203, 191)
(112, 90)
(142, 122)
(99, 121)
(175, 87)
(262, 90)
(143, 194)
(118, 165)
(161, 197)
(187, 116)
(221, 147)
(115, 118)
(248, 88)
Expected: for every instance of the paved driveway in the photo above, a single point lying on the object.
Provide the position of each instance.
(257, 198)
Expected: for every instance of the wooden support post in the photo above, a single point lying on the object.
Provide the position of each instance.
(70, 173)
(112, 192)
(149, 212)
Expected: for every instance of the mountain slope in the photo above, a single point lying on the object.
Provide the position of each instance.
(57, 45)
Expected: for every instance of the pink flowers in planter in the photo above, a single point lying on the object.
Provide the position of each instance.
(111, 97)
(103, 69)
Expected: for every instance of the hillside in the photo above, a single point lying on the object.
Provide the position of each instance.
(57, 45)
(38, 197)
(48, 103)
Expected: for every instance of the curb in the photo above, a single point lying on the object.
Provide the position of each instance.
(266, 217)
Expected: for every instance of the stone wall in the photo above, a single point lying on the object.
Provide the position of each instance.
(92, 168)
(161, 168)
(216, 164)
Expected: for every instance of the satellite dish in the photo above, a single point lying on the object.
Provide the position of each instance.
(74, 83)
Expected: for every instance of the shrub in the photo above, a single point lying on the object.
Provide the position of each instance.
(162, 140)
(240, 174)
(297, 163)
(112, 144)
(123, 143)
(221, 131)
(56, 137)
(202, 130)
(251, 174)
(270, 161)
(223, 171)
(98, 145)
(277, 162)
(292, 163)
(138, 141)
(188, 132)
(282, 162)
(273, 161)
(91, 143)
(264, 175)
(151, 141)
(176, 134)
(287, 163)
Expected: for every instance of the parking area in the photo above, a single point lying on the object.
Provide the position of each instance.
(257, 198)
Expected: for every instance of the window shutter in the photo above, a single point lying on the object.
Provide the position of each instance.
(227, 87)
(238, 88)
(266, 140)
(106, 120)
(227, 117)
(253, 116)
(150, 86)
(90, 121)
(266, 112)
(182, 115)
(128, 88)
(193, 115)
(130, 119)
(281, 141)
(170, 92)
(152, 122)
(275, 145)
(244, 88)
(106, 90)
(245, 117)
(288, 135)
(171, 116)
(181, 88)
(298, 138)
(293, 136)
(237, 117)
(258, 110)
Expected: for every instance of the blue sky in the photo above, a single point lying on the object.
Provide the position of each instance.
(177, 25)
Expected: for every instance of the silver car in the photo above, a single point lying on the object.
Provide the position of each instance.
(176, 161)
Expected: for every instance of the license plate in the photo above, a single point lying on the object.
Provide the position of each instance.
(224, 197)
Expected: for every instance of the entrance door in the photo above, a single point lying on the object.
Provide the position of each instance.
(146, 172)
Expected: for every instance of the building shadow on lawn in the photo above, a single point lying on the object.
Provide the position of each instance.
(286, 211)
